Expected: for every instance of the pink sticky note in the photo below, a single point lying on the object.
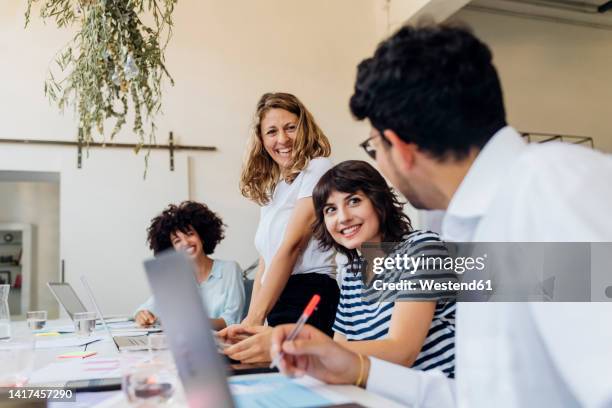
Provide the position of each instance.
(78, 354)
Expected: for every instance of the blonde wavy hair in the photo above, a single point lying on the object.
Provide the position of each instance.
(260, 174)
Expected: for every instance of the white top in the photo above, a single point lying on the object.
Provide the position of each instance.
(275, 216)
(523, 354)
(222, 291)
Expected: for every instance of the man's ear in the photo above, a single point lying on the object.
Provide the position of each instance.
(405, 151)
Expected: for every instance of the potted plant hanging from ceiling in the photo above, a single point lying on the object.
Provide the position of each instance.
(114, 62)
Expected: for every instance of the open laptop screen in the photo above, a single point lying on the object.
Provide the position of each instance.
(66, 296)
(186, 324)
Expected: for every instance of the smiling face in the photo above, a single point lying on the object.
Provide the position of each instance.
(189, 242)
(278, 133)
(350, 219)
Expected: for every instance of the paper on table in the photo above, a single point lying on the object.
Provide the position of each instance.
(70, 370)
(64, 328)
(133, 326)
(65, 341)
(129, 333)
(275, 391)
(118, 319)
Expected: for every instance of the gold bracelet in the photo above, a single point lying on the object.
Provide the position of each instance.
(358, 383)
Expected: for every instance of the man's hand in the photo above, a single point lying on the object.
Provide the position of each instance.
(145, 318)
(253, 344)
(317, 355)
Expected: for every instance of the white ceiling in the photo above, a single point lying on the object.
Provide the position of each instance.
(578, 12)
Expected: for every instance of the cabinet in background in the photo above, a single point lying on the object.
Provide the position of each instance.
(16, 264)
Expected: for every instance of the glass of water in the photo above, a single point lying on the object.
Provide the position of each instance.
(16, 360)
(157, 341)
(150, 381)
(36, 319)
(84, 323)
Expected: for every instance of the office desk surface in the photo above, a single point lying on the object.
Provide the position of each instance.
(106, 349)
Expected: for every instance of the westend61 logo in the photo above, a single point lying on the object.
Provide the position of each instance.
(420, 263)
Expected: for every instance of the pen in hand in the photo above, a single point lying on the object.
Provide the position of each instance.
(298, 326)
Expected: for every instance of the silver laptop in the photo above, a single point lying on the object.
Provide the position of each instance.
(121, 342)
(172, 279)
(71, 302)
(67, 297)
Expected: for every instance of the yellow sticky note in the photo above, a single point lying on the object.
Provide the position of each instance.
(48, 334)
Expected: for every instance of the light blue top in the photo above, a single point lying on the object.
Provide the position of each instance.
(222, 292)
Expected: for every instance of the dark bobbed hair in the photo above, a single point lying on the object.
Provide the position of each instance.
(188, 214)
(352, 176)
(433, 85)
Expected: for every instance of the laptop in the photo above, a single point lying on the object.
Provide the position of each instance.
(172, 279)
(67, 297)
(70, 301)
(123, 343)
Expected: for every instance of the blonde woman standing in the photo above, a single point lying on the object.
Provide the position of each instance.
(286, 158)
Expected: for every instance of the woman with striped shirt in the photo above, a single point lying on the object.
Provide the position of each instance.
(354, 205)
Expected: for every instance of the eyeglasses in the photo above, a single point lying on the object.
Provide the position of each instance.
(368, 146)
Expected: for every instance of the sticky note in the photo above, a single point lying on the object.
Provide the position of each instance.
(78, 354)
(48, 334)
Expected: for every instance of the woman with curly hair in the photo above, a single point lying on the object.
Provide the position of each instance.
(193, 228)
(286, 157)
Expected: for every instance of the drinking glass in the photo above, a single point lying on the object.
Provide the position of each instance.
(149, 381)
(84, 323)
(157, 341)
(5, 314)
(16, 360)
(36, 319)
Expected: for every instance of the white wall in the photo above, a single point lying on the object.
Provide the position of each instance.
(104, 210)
(223, 56)
(36, 203)
(556, 77)
(233, 52)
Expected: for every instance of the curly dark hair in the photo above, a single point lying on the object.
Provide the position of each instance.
(188, 214)
(352, 176)
(433, 85)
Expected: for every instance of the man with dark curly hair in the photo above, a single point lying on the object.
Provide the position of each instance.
(439, 134)
(193, 228)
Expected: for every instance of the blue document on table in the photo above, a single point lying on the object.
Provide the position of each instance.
(274, 392)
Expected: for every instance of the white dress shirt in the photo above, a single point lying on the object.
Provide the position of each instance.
(276, 216)
(523, 354)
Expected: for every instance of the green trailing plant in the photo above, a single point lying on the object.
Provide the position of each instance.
(113, 63)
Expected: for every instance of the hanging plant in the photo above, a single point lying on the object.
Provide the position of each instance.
(113, 63)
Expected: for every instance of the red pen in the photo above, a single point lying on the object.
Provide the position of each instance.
(299, 325)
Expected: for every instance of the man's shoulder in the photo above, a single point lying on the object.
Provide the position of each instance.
(560, 158)
(556, 169)
(552, 192)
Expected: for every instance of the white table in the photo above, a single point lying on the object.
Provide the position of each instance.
(106, 349)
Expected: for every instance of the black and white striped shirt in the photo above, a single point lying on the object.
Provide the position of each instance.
(360, 319)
